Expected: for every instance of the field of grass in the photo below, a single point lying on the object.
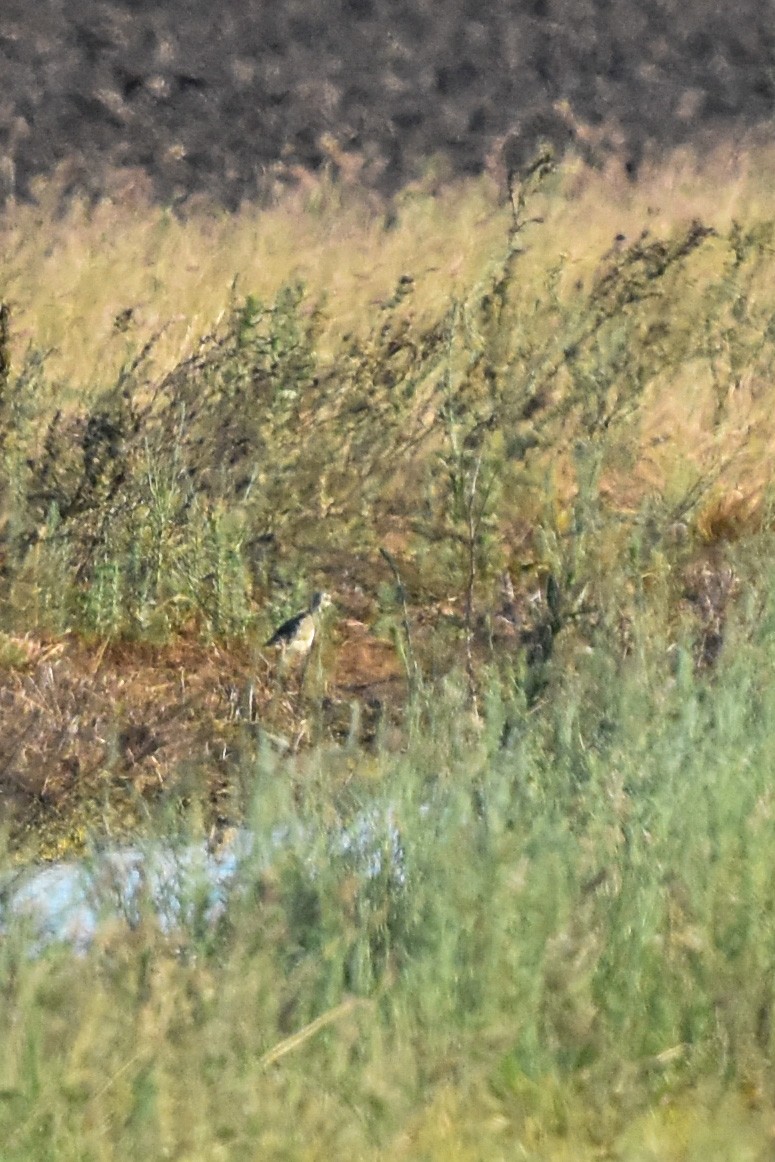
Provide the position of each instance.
(526, 443)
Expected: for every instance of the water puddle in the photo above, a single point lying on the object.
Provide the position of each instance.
(184, 888)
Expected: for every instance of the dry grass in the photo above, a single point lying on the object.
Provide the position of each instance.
(93, 285)
(69, 278)
(97, 736)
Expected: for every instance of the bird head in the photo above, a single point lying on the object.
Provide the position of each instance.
(320, 600)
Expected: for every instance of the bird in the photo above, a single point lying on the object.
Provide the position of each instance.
(296, 636)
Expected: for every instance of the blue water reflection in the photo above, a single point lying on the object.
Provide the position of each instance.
(183, 887)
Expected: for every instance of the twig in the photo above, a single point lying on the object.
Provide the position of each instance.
(297, 1039)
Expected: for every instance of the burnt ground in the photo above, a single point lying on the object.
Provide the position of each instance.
(231, 99)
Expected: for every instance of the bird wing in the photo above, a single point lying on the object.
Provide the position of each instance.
(286, 631)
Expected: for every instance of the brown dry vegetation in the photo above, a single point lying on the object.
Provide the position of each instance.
(96, 735)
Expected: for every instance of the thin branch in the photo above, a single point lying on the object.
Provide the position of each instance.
(321, 1022)
(410, 661)
(473, 524)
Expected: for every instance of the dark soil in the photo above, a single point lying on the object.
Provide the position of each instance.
(231, 99)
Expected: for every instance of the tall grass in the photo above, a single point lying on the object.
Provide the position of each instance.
(158, 502)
